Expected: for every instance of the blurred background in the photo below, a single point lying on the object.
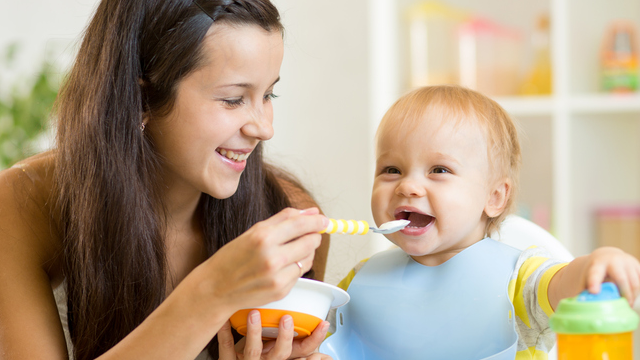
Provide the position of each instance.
(566, 70)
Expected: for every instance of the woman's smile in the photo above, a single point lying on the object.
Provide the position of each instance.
(207, 138)
(235, 159)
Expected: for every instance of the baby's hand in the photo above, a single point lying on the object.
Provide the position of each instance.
(613, 264)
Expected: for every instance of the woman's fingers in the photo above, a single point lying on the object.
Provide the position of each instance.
(281, 347)
(309, 344)
(298, 251)
(253, 344)
(304, 265)
(226, 343)
(290, 214)
(317, 356)
(299, 226)
(284, 347)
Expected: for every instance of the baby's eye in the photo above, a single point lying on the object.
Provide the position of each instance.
(270, 97)
(440, 170)
(233, 103)
(391, 170)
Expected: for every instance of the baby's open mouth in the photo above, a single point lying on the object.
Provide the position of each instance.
(417, 220)
(233, 156)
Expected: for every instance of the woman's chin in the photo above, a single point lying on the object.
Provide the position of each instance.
(224, 192)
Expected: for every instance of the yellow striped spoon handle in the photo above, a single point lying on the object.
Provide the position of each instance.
(361, 227)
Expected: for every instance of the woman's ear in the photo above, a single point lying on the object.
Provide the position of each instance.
(145, 113)
(498, 198)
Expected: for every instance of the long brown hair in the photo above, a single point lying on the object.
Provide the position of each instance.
(132, 57)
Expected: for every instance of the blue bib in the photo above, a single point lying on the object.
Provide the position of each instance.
(403, 310)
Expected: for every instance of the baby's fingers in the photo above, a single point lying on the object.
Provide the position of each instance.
(614, 265)
(634, 284)
(596, 276)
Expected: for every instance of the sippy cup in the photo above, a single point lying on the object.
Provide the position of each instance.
(595, 327)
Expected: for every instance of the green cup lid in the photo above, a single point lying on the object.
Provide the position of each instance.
(603, 313)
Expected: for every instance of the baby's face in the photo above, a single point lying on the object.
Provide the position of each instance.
(436, 174)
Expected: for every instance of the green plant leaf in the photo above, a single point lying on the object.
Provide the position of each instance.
(24, 115)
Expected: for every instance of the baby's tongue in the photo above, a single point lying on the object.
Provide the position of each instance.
(419, 220)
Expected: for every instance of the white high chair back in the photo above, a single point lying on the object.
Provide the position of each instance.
(521, 234)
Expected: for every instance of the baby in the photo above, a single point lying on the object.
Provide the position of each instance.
(447, 159)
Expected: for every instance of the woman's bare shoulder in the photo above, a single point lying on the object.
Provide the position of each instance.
(27, 226)
(30, 254)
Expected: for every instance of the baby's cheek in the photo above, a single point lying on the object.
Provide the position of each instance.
(378, 206)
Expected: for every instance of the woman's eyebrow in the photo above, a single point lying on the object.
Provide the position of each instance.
(247, 85)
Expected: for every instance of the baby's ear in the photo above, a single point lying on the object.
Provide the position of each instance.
(498, 198)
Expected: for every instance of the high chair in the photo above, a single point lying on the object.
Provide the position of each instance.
(521, 234)
(359, 342)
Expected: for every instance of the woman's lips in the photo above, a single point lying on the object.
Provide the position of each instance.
(238, 166)
(236, 159)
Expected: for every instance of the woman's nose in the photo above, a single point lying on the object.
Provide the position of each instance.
(410, 188)
(260, 124)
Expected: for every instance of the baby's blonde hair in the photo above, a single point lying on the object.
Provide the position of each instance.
(460, 105)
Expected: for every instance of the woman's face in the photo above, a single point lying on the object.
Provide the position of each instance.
(222, 111)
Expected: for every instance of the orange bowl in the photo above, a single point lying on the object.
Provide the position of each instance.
(308, 304)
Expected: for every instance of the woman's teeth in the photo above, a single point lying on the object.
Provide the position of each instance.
(233, 156)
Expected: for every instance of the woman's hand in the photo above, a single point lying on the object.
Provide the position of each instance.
(264, 263)
(284, 347)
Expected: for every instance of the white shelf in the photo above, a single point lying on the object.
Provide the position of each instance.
(575, 104)
(605, 103)
(527, 105)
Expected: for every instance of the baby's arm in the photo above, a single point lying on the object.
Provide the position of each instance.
(589, 271)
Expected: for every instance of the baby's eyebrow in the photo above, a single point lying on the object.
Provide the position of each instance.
(446, 157)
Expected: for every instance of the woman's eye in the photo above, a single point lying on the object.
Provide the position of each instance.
(440, 170)
(233, 103)
(270, 97)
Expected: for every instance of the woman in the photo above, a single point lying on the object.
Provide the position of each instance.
(150, 212)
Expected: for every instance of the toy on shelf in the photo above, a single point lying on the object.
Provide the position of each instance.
(595, 326)
(538, 80)
(490, 57)
(433, 38)
(619, 58)
(619, 226)
(453, 46)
